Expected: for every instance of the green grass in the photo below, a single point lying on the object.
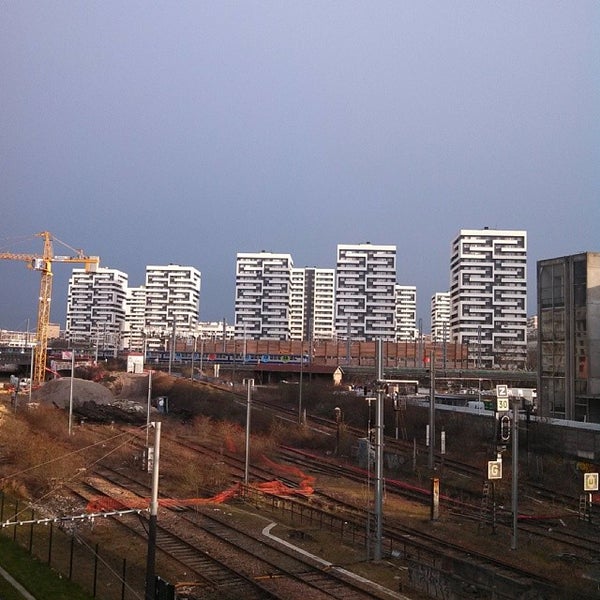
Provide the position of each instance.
(39, 580)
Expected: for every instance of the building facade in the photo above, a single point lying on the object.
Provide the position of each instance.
(568, 297)
(440, 317)
(365, 295)
(318, 304)
(406, 313)
(172, 303)
(263, 287)
(297, 304)
(96, 308)
(488, 296)
(135, 319)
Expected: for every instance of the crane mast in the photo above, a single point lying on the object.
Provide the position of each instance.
(43, 263)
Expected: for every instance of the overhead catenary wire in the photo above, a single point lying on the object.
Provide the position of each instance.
(76, 474)
(78, 517)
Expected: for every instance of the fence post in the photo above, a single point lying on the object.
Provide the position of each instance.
(95, 569)
(71, 556)
(123, 579)
(14, 519)
(31, 531)
(50, 543)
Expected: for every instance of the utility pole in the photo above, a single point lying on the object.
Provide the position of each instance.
(377, 553)
(348, 341)
(152, 526)
(249, 384)
(71, 391)
(172, 347)
(148, 409)
(300, 419)
(515, 475)
(430, 463)
(195, 338)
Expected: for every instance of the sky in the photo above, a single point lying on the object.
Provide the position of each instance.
(186, 132)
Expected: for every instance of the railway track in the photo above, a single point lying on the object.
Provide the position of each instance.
(211, 578)
(407, 541)
(404, 537)
(262, 569)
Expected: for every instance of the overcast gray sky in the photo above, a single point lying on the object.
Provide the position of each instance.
(185, 132)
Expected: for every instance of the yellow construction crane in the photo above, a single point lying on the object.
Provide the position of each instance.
(43, 263)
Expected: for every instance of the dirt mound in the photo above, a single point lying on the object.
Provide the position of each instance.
(133, 386)
(58, 392)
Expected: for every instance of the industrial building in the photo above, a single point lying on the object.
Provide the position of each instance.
(568, 298)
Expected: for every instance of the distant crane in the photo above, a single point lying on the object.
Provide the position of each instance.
(43, 263)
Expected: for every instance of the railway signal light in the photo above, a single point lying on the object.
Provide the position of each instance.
(504, 425)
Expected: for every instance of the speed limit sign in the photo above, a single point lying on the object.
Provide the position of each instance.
(494, 469)
(502, 398)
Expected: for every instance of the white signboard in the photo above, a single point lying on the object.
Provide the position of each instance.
(494, 469)
(590, 482)
(502, 398)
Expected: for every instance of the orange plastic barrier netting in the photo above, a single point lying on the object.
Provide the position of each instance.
(306, 481)
(276, 488)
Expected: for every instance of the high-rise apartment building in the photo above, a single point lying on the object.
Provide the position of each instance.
(134, 330)
(488, 296)
(365, 296)
(440, 317)
(568, 297)
(297, 308)
(172, 300)
(263, 287)
(96, 307)
(406, 313)
(319, 302)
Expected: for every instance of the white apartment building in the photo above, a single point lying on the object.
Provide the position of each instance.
(406, 313)
(96, 308)
(135, 319)
(365, 296)
(297, 296)
(263, 288)
(318, 304)
(440, 317)
(172, 302)
(488, 296)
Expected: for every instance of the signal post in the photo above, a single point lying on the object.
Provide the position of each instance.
(507, 426)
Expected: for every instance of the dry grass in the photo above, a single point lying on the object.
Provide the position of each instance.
(37, 455)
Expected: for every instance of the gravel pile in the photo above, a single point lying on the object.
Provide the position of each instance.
(58, 391)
